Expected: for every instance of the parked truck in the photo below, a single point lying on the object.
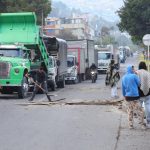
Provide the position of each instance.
(72, 71)
(105, 54)
(84, 56)
(22, 50)
(57, 48)
(124, 52)
(14, 64)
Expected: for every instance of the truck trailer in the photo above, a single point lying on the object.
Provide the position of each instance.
(84, 53)
(57, 48)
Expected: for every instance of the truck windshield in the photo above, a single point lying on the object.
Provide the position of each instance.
(10, 52)
(70, 61)
(104, 56)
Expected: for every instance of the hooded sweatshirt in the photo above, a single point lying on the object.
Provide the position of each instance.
(130, 83)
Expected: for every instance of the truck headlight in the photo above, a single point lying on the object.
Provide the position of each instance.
(16, 70)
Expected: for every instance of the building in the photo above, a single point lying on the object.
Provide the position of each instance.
(77, 25)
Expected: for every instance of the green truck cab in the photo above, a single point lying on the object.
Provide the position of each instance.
(14, 64)
(21, 49)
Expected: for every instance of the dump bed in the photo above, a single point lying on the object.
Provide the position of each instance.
(21, 28)
(18, 28)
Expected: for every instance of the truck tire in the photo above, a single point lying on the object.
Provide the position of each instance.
(53, 87)
(76, 81)
(83, 77)
(80, 78)
(62, 83)
(23, 90)
(6, 91)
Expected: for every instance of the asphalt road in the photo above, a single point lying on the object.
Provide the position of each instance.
(59, 126)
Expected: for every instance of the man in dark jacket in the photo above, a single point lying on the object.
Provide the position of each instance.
(40, 82)
(93, 67)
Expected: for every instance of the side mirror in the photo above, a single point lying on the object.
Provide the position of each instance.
(58, 63)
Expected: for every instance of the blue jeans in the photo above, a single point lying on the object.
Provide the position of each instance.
(146, 101)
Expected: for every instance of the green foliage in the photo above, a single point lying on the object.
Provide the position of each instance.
(3, 5)
(105, 31)
(135, 18)
(40, 7)
(106, 40)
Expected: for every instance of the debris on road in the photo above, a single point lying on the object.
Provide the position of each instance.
(93, 102)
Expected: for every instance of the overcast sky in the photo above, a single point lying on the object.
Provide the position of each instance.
(106, 8)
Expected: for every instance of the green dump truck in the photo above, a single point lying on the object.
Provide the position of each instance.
(21, 49)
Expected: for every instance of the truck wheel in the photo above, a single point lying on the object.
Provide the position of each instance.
(6, 91)
(76, 80)
(23, 90)
(53, 87)
(62, 84)
(80, 79)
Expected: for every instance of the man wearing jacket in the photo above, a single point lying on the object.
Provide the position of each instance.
(40, 82)
(130, 84)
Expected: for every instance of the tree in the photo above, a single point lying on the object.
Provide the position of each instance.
(135, 18)
(3, 5)
(106, 40)
(40, 7)
(105, 31)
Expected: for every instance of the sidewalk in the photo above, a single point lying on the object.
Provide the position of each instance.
(135, 139)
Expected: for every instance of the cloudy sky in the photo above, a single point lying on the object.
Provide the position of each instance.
(106, 8)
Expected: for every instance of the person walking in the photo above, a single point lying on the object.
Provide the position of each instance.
(41, 79)
(130, 84)
(144, 89)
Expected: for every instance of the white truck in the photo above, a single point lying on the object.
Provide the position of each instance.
(124, 52)
(84, 56)
(105, 54)
(72, 71)
(52, 73)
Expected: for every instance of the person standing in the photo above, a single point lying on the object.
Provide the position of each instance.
(41, 79)
(144, 89)
(114, 81)
(130, 84)
(112, 78)
(109, 72)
